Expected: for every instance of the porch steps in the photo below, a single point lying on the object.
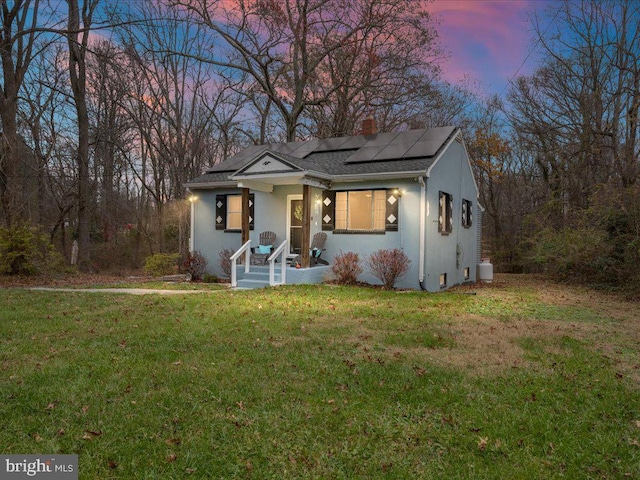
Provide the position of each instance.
(258, 277)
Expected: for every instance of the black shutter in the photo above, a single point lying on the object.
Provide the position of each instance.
(464, 213)
(441, 212)
(450, 213)
(251, 210)
(221, 212)
(391, 214)
(328, 210)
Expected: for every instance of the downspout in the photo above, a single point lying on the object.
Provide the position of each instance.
(192, 230)
(423, 221)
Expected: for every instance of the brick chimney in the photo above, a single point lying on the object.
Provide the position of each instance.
(369, 126)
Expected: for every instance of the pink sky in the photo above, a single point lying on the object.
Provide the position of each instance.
(486, 39)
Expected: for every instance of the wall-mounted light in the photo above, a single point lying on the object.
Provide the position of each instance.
(397, 192)
(192, 198)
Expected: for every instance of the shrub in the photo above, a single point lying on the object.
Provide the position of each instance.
(161, 264)
(209, 278)
(583, 254)
(346, 268)
(388, 266)
(194, 265)
(225, 261)
(24, 250)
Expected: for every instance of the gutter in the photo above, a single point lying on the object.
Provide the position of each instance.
(377, 176)
(211, 185)
(423, 222)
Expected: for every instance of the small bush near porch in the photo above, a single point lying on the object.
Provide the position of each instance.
(521, 380)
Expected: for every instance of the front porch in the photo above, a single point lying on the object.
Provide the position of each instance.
(258, 275)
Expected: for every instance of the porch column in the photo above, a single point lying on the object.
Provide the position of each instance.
(306, 225)
(245, 218)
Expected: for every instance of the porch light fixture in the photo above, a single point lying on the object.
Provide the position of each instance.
(192, 198)
(397, 192)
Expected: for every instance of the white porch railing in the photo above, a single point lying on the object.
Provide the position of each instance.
(282, 252)
(244, 248)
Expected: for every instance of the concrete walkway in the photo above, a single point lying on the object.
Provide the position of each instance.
(130, 291)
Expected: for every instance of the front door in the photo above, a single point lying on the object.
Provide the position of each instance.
(294, 223)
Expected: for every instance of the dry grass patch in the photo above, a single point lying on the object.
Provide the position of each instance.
(489, 344)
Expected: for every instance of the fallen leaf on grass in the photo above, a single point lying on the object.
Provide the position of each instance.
(173, 441)
(179, 362)
(112, 464)
(482, 443)
(172, 458)
(51, 405)
(419, 371)
(90, 435)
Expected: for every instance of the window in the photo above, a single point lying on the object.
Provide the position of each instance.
(445, 209)
(234, 212)
(467, 273)
(443, 280)
(467, 213)
(362, 210)
(229, 212)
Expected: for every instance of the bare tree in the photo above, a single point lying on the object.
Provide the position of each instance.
(577, 116)
(174, 108)
(304, 54)
(579, 111)
(18, 47)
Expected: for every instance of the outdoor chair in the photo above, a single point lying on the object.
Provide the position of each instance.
(315, 251)
(317, 247)
(261, 253)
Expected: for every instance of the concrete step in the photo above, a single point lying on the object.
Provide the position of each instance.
(252, 284)
(261, 276)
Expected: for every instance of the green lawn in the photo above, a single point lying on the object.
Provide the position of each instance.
(324, 382)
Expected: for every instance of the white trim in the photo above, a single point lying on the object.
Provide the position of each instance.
(210, 185)
(257, 186)
(192, 229)
(423, 222)
(262, 156)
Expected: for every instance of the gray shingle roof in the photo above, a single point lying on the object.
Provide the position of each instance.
(384, 153)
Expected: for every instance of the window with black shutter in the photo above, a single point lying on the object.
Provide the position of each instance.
(445, 212)
(467, 213)
(360, 211)
(229, 212)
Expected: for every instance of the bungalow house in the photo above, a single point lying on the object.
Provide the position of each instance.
(411, 190)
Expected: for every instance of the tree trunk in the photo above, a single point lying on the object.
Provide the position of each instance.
(77, 73)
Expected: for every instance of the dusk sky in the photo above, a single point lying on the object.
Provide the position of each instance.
(487, 40)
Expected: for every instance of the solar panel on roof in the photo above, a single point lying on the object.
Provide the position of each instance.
(331, 144)
(364, 154)
(353, 143)
(380, 139)
(304, 148)
(399, 145)
(430, 142)
(285, 147)
(424, 149)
